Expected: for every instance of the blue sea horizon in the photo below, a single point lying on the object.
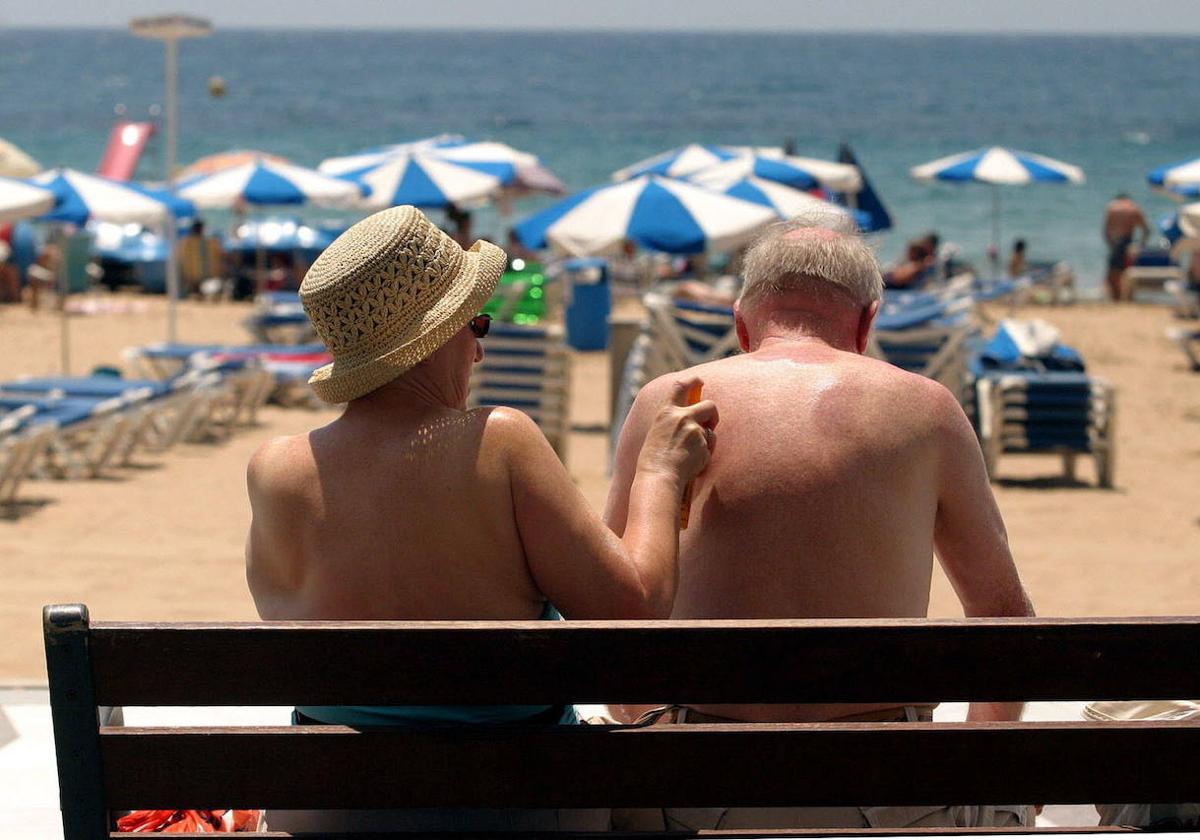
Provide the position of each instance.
(591, 102)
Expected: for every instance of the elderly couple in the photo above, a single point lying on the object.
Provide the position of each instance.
(824, 489)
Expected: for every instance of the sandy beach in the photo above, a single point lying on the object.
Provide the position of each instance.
(163, 539)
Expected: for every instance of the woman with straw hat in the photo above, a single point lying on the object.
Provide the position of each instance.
(409, 506)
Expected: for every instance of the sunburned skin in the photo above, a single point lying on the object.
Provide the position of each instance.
(409, 506)
(834, 480)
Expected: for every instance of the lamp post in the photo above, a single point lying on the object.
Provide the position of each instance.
(170, 29)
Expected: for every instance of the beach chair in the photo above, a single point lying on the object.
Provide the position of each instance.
(925, 334)
(279, 318)
(1037, 398)
(1153, 269)
(1055, 279)
(527, 368)
(20, 447)
(80, 435)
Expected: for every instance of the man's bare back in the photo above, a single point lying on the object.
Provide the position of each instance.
(1122, 218)
(836, 477)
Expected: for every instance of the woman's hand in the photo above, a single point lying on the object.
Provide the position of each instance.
(681, 436)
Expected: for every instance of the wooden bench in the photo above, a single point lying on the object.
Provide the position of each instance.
(105, 769)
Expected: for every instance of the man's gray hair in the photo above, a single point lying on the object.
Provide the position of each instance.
(819, 263)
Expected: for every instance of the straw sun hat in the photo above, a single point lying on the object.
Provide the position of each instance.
(387, 293)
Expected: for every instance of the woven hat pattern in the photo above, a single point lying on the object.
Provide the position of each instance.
(387, 293)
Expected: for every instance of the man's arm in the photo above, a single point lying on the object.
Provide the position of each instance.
(970, 537)
(584, 568)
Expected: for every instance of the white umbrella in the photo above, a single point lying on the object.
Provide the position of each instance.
(660, 214)
(998, 166)
(797, 172)
(19, 200)
(423, 180)
(269, 183)
(14, 163)
(368, 158)
(1189, 219)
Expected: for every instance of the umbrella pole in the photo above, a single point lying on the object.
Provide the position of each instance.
(172, 279)
(995, 254)
(63, 288)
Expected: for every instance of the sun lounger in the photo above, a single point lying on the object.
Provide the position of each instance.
(927, 335)
(279, 317)
(527, 368)
(1153, 269)
(85, 432)
(20, 447)
(1041, 402)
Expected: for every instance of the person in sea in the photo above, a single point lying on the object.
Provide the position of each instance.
(1122, 219)
(1017, 264)
(410, 506)
(838, 479)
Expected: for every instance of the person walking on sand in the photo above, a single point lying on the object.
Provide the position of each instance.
(837, 480)
(1122, 218)
(410, 506)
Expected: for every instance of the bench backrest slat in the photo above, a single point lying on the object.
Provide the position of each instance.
(676, 765)
(593, 662)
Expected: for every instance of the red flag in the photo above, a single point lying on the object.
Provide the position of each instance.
(125, 146)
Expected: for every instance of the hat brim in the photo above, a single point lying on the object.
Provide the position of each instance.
(465, 297)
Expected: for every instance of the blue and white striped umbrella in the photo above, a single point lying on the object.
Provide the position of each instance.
(679, 163)
(788, 202)
(1178, 179)
(81, 198)
(423, 180)
(21, 200)
(368, 158)
(796, 172)
(659, 214)
(517, 170)
(270, 183)
(998, 165)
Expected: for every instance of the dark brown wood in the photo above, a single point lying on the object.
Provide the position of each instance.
(315, 663)
(723, 834)
(76, 721)
(677, 765)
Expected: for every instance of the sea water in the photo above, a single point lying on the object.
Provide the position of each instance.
(590, 103)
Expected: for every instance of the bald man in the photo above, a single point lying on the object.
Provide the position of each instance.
(836, 480)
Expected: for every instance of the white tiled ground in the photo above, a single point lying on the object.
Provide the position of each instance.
(29, 782)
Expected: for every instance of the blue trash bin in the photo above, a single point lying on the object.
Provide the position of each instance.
(588, 300)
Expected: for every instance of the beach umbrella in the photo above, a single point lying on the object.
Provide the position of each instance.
(659, 214)
(787, 202)
(368, 158)
(866, 199)
(679, 163)
(14, 163)
(797, 172)
(1180, 179)
(20, 200)
(82, 198)
(998, 166)
(209, 164)
(518, 171)
(422, 180)
(266, 183)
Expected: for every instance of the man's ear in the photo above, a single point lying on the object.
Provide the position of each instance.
(739, 324)
(865, 319)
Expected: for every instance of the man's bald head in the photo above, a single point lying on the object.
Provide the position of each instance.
(824, 257)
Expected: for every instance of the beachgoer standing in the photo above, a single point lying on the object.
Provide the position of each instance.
(410, 506)
(1122, 218)
(838, 478)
